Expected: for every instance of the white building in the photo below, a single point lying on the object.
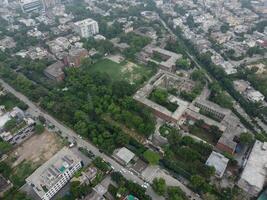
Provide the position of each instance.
(254, 95)
(219, 162)
(48, 179)
(124, 155)
(28, 6)
(253, 177)
(86, 28)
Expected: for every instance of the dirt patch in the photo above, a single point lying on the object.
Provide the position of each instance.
(129, 67)
(37, 149)
(116, 58)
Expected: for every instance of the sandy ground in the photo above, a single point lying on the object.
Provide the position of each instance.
(36, 149)
(116, 58)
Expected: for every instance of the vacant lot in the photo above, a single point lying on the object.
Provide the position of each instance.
(36, 150)
(121, 71)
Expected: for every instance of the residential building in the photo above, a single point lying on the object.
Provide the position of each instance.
(28, 6)
(48, 179)
(219, 162)
(254, 96)
(254, 175)
(75, 57)
(55, 71)
(86, 28)
(51, 3)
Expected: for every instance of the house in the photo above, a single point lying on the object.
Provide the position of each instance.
(55, 71)
(75, 57)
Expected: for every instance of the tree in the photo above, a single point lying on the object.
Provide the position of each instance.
(175, 193)
(10, 124)
(199, 184)
(225, 27)
(198, 75)
(159, 186)
(246, 138)
(152, 157)
(39, 128)
(183, 64)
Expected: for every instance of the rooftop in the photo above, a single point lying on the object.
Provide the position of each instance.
(51, 171)
(219, 162)
(125, 155)
(255, 171)
(55, 69)
(85, 22)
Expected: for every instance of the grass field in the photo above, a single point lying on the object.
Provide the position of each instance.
(121, 71)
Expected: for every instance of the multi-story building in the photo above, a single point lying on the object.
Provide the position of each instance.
(51, 3)
(48, 179)
(55, 71)
(86, 28)
(28, 6)
(75, 56)
(253, 177)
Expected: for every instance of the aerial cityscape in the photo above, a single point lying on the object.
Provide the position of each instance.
(133, 99)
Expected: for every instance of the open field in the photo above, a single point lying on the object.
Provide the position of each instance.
(36, 150)
(121, 71)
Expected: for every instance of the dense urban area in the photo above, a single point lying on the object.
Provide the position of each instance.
(133, 99)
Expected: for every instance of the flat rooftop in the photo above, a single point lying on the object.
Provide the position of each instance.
(255, 171)
(51, 171)
(4, 119)
(142, 96)
(125, 155)
(55, 69)
(218, 161)
(85, 22)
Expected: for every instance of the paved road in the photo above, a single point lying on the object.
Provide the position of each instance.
(67, 132)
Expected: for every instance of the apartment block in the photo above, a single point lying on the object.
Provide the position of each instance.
(86, 28)
(48, 179)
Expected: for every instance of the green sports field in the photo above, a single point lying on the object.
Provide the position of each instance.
(121, 71)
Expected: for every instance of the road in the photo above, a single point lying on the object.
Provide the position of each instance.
(35, 111)
(187, 53)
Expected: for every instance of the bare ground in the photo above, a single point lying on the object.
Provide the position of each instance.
(37, 149)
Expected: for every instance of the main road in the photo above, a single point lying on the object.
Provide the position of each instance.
(36, 111)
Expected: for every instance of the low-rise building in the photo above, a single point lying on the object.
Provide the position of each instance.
(124, 155)
(219, 162)
(254, 96)
(254, 175)
(48, 179)
(28, 6)
(75, 57)
(55, 71)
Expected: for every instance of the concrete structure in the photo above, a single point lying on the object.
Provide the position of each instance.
(168, 58)
(254, 175)
(75, 57)
(55, 71)
(50, 3)
(48, 179)
(219, 162)
(5, 185)
(224, 119)
(86, 28)
(166, 80)
(254, 96)
(124, 155)
(28, 6)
